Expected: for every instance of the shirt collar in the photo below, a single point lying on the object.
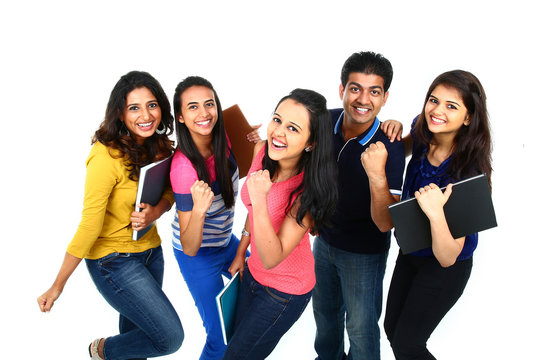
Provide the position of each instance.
(367, 135)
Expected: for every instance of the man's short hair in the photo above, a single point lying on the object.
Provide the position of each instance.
(368, 62)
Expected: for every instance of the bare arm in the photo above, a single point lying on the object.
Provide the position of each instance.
(374, 162)
(272, 247)
(240, 259)
(192, 222)
(46, 301)
(431, 200)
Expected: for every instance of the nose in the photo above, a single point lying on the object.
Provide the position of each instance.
(145, 114)
(279, 130)
(363, 97)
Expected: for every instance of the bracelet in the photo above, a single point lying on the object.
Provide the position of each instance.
(245, 232)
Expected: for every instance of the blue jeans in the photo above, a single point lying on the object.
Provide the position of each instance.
(131, 283)
(202, 274)
(351, 284)
(263, 316)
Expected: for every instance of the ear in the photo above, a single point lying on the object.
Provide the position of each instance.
(385, 97)
(467, 121)
(309, 147)
(180, 118)
(341, 91)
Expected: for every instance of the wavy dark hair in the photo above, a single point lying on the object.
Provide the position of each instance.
(113, 132)
(318, 192)
(472, 144)
(223, 166)
(369, 63)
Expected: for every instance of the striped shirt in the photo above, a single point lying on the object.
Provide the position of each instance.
(218, 223)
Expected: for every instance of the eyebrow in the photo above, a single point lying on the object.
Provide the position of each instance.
(196, 102)
(449, 101)
(292, 122)
(360, 86)
(149, 102)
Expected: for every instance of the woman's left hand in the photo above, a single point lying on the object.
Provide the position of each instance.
(431, 200)
(144, 218)
(254, 136)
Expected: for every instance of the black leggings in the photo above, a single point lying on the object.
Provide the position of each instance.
(420, 295)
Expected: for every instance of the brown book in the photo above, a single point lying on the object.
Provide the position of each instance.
(237, 127)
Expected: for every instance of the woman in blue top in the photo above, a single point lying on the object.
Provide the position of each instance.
(450, 141)
(204, 179)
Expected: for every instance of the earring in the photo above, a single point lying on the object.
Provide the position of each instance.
(161, 131)
(308, 149)
(124, 127)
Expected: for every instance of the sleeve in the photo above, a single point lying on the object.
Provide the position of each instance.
(183, 176)
(395, 165)
(101, 177)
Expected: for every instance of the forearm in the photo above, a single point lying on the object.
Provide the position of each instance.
(191, 235)
(269, 246)
(381, 198)
(69, 265)
(445, 248)
(244, 240)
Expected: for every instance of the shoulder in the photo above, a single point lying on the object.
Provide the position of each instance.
(103, 155)
(180, 163)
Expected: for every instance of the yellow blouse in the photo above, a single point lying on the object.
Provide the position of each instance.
(109, 200)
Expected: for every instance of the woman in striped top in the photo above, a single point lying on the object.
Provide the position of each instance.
(204, 178)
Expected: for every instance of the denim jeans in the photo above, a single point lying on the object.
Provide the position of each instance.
(348, 291)
(263, 316)
(203, 276)
(131, 284)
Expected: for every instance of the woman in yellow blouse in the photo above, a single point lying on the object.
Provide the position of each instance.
(129, 274)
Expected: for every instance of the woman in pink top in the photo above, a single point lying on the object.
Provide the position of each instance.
(291, 189)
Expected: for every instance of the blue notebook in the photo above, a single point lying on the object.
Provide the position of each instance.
(226, 304)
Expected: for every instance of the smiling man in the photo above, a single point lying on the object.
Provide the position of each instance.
(350, 255)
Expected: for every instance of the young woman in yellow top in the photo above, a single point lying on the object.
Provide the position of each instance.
(127, 273)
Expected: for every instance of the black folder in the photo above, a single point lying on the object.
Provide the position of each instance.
(152, 181)
(468, 210)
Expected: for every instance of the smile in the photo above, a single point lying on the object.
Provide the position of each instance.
(145, 125)
(361, 110)
(278, 144)
(203, 123)
(437, 121)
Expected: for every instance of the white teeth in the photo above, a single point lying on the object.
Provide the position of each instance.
(278, 144)
(145, 124)
(437, 121)
(361, 109)
(203, 122)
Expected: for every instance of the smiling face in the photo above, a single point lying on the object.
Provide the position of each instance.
(445, 112)
(363, 97)
(288, 132)
(141, 114)
(198, 111)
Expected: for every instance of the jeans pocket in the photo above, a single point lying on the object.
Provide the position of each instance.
(277, 295)
(108, 259)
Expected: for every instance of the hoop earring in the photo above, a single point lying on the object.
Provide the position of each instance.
(161, 132)
(124, 127)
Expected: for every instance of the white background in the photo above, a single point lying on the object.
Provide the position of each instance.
(60, 60)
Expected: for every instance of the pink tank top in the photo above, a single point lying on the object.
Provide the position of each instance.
(296, 274)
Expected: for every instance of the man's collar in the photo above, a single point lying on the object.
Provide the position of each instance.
(366, 136)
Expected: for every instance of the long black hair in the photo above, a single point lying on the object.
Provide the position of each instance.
(318, 191)
(223, 165)
(113, 132)
(472, 144)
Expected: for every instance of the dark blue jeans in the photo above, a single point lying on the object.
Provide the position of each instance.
(131, 283)
(263, 316)
(348, 293)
